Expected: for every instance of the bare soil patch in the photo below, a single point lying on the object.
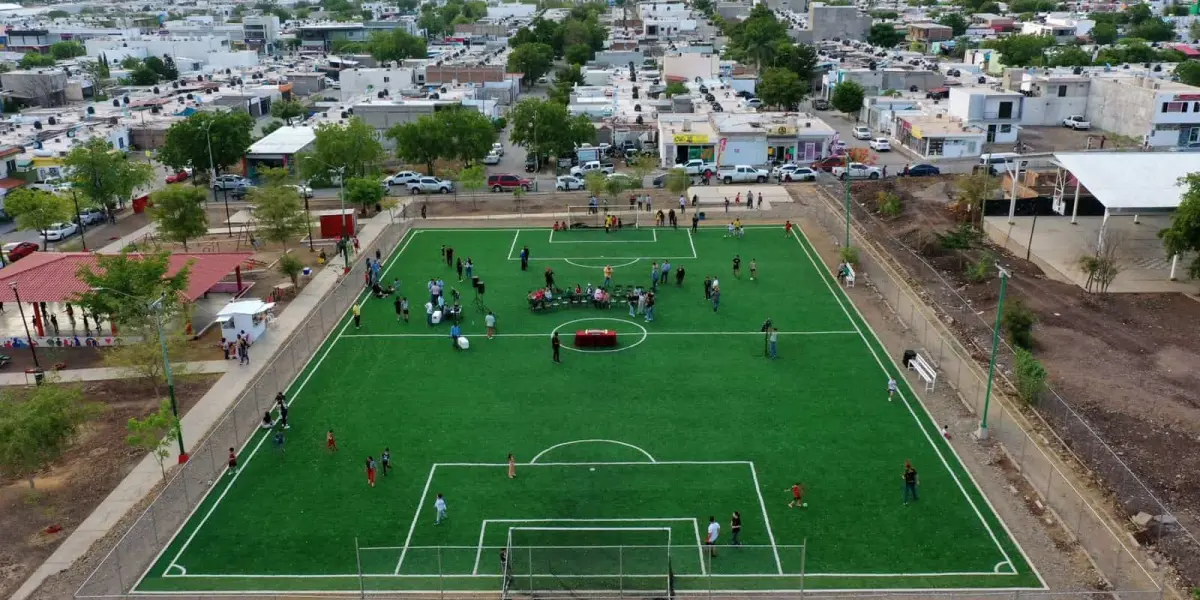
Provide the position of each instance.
(1126, 365)
(33, 524)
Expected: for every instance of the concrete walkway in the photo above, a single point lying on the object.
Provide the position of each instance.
(199, 420)
(199, 367)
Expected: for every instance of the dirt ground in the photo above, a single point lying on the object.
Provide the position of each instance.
(1126, 363)
(33, 524)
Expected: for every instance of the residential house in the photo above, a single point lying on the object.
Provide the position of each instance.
(997, 112)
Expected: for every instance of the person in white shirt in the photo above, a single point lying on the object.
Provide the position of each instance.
(490, 322)
(891, 387)
(440, 506)
(714, 530)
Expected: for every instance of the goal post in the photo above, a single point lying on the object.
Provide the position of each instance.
(583, 216)
(627, 560)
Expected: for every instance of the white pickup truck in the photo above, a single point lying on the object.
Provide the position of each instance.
(1076, 122)
(697, 167)
(857, 171)
(743, 174)
(593, 166)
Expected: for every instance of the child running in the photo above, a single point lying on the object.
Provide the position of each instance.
(330, 443)
(370, 471)
(891, 387)
(797, 496)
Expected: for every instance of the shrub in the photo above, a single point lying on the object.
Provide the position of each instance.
(961, 238)
(1018, 321)
(1030, 375)
(889, 204)
(848, 254)
(980, 270)
(499, 123)
(291, 266)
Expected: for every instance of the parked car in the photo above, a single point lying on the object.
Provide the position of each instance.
(626, 179)
(401, 178)
(90, 216)
(880, 144)
(491, 159)
(593, 166)
(857, 171)
(568, 183)
(742, 174)
(799, 174)
(861, 133)
(230, 181)
(430, 185)
(779, 170)
(754, 103)
(303, 190)
(828, 163)
(177, 177)
(498, 148)
(820, 104)
(697, 166)
(17, 250)
(60, 231)
(1077, 122)
(923, 170)
(53, 185)
(508, 183)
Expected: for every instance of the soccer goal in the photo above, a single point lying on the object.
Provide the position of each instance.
(625, 561)
(587, 216)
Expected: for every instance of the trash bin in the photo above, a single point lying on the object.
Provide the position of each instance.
(39, 376)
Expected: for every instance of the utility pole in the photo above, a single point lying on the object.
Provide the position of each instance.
(982, 432)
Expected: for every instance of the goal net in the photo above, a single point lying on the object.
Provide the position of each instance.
(583, 216)
(626, 561)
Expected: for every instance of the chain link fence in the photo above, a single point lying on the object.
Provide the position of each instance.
(1107, 544)
(119, 571)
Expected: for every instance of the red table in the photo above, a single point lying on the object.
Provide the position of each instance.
(595, 338)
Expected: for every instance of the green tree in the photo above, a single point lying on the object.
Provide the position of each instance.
(848, 97)
(123, 286)
(678, 181)
(1022, 50)
(278, 209)
(1030, 375)
(1070, 56)
(271, 127)
(1139, 13)
(675, 88)
(35, 431)
(801, 59)
(531, 60)
(595, 183)
(155, 64)
(130, 63)
(291, 267)
(98, 72)
(34, 60)
(471, 180)
(143, 76)
(432, 23)
(780, 88)
(396, 45)
(67, 50)
(469, 134)
(179, 213)
(578, 54)
(1189, 72)
(1183, 236)
(35, 210)
(58, 14)
(1139, 52)
(287, 109)
(143, 359)
(186, 143)
(642, 167)
(1104, 33)
(352, 146)
(1194, 31)
(546, 128)
(419, 141)
(955, 21)
(104, 176)
(154, 434)
(170, 71)
(884, 35)
(364, 192)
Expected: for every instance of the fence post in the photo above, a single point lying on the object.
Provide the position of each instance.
(621, 571)
(442, 577)
(530, 563)
(362, 589)
(803, 557)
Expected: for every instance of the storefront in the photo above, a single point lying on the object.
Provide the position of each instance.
(691, 146)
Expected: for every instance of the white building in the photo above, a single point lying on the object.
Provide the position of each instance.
(1062, 34)
(998, 113)
(360, 82)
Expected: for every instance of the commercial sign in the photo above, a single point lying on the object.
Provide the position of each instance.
(690, 138)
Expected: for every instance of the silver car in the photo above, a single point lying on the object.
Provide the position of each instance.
(567, 183)
(430, 185)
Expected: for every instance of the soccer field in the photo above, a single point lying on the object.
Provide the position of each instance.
(622, 453)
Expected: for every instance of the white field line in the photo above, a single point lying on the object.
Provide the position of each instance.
(592, 441)
(693, 243)
(394, 258)
(536, 575)
(483, 529)
(766, 519)
(654, 333)
(608, 258)
(603, 463)
(416, 515)
(699, 546)
(824, 275)
(706, 593)
(516, 235)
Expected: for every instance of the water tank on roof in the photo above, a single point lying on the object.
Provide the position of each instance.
(52, 121)
(37, 124)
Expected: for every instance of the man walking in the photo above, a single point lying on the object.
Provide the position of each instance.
(714, 530)
(525, 258)
(708, 287)
(555, 344)
(716, 298)
(654, 276)
(910, 482)
(772, 340)
(666, 271)
(439, 505)
(608, 273)
(695, 222)
(735, 526)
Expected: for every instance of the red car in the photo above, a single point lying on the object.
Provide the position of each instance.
(177, 177)
(508, 183)
(19, 250)
(827, 164)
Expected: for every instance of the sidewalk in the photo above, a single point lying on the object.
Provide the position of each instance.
(104, 373)
(142, 480)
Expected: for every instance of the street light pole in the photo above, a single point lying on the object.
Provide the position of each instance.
(982, 432)
(212, 174)
(28, 336)
(308, 216)
(846, 190)
(79, 217)
(157, 307)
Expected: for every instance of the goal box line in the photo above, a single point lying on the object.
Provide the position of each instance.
(514, 252)
(509, 546)
(653, 238)
(655, 463)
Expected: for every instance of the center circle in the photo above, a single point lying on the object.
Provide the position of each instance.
(645, 334)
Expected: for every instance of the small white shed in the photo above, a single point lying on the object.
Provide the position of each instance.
(244, 316)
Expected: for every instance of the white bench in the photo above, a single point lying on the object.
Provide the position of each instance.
(849, 276)
(925, 370)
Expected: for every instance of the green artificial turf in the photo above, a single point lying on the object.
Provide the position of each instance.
(687, 417)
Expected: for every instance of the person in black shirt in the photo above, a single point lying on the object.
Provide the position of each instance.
(449, 255)
(679, 273)
(735, 525)
(910, 482)
(708, 287)
(554, 343)
(281, 400)
(695, 222)
(458, 266)
(737, 265)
